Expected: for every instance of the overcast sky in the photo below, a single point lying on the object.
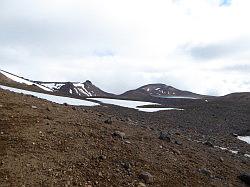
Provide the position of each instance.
(197, 45)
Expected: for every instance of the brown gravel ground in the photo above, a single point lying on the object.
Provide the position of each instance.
(61, 145)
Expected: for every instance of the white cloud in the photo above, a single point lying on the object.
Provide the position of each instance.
(120, 45)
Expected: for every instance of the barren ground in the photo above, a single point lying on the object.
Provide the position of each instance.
(46, 144)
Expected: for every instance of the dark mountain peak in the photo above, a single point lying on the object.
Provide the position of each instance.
(158, 90)
(87, 82)
(86, 89)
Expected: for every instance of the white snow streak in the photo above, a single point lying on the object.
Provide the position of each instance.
(133, 104)
(82, 89)
(23, 81)
(244, 138)
(53, 98)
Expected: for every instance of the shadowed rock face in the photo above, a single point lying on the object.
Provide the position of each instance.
(66, 88)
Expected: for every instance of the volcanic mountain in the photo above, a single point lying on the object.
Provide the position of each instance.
(159, 90)
(73, 89)
(86, 89)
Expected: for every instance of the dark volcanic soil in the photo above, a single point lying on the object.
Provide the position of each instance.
(46, 144)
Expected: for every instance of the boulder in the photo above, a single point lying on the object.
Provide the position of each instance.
(165, 136)
(208, 143)
(146, 177)
(108, 121)
(206, 172)
(119, 134)
(140, 184)
(34, 107)
(245, 177)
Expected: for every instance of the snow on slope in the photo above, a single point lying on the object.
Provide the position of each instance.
(244, 138)
(81, 88)
(79, 102)
(156, 109)
(74, 88)
(159, 89)
(15, 78)
(53, 86)
(53, 98)
(133, 104)
(23, 81)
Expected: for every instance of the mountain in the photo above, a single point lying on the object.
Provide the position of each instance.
(159, 90)
(72, 89)
(86, 89)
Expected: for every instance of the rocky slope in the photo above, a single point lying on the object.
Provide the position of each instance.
(47, 144)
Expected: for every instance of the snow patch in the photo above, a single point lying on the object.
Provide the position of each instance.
(43, 87)
(82, 89)
(244, 138)
(53, 98)
(133, 104)
(53, 86)
(227, 149)
(156, 109)
(231, 151)
(23, 81)
(16, 79)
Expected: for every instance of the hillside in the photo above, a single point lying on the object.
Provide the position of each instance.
(47, 144)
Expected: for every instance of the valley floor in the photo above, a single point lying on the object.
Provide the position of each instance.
(47, 144)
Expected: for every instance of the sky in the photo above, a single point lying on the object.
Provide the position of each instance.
(197, 45)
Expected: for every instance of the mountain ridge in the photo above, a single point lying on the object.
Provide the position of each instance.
(88, 89)
(160, 90)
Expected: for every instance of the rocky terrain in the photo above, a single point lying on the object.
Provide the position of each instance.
(47, 144)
